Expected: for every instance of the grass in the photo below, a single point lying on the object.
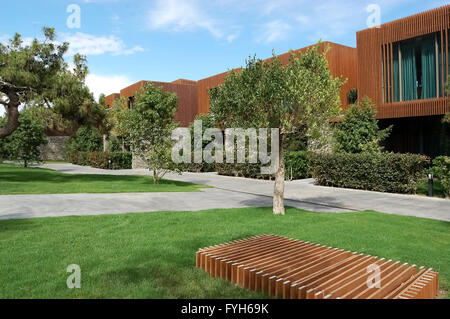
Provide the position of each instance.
(438, 190)
(152, 255)
(18, 180)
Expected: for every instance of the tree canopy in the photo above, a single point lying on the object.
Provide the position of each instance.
(150, 124)
(37, 74)
(298, 98)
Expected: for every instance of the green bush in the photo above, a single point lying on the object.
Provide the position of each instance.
(441, 170)
(296, 168)
(296, 165)
(358, 132)
(78, 158)
(121, 160)
(383, 172)
(85, 139)
(99, 159)
(23, 144)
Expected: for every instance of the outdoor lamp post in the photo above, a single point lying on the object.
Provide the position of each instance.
(430, 185)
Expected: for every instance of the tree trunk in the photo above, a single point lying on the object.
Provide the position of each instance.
(12, 112)
(278, 193)
(155, 177)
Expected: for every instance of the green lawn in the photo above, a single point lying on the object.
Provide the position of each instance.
(152, 255)
(18, 180)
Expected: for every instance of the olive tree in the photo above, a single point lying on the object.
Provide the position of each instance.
(298, 99)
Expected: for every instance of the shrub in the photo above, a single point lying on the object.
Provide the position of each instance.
(358, 132)
(85, 139)
(23, 144)
(121, 160)
(441, 170)
(99, 159)
(296, 165)
(296, 168)
(78, 158)
(384, 172)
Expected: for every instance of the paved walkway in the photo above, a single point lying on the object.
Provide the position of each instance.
(229, 192)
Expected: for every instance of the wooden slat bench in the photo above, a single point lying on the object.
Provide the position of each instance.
(293, 269)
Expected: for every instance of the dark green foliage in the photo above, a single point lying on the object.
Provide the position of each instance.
(384, 172)
(207, 122)
(23, 144)
(441, 170)
(359, 131)
(150, 124)
(296, 168)
(100, 159)
(37, 73)
(352, 96)
(85, 139)
(296, 165)
(78, 158)
(121, 160)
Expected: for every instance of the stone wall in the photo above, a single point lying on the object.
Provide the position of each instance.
(137, 162)
(54, 150)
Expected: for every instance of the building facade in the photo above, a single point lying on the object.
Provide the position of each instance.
(403, 67)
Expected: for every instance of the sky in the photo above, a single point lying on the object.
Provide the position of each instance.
(126, 41)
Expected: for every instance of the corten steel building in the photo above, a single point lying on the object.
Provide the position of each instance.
(193, 96)
(186, 91)
(403, 67)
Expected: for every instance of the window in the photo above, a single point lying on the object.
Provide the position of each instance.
(416, 70)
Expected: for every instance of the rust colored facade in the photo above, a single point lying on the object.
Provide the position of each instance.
(342, 61)
(186, 91)
(110, 98)
(377, 50)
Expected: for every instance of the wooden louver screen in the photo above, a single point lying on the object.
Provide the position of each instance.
(294, 269)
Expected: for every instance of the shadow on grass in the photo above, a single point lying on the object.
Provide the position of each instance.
(12, 173)
(12, 225)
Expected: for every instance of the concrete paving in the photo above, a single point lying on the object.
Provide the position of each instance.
(229, 192)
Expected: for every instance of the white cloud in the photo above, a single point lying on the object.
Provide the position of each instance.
(106, 84)
(181, 15)
(274, 31)
(231, 37)
(89, 44)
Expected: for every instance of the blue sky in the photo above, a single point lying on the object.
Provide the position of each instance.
(163, 40)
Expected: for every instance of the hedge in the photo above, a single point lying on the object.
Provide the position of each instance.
(296, 168)
(383, 172)
(98, 159)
